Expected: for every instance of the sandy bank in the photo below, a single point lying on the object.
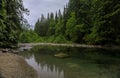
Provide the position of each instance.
(14, 66)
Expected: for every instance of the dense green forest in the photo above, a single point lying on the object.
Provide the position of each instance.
(11, 20)
(82, 21)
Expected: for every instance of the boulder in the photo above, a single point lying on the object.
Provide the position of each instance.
(5, 50)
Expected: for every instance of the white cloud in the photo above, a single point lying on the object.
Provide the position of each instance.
(38, 7)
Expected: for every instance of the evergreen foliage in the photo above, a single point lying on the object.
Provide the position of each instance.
(11, 19)
(84, 21)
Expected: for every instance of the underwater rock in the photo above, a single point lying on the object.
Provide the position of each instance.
(62, 55)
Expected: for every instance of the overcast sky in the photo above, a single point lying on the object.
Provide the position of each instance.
(38, 7)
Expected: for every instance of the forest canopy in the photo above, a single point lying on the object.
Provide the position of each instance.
(83, 21)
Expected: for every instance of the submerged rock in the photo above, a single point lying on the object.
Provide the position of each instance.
(62, 55)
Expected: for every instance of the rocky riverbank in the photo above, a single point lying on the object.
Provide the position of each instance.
(8, 50)
(14, 66)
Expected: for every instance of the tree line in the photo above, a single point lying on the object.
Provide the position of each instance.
(11, 20)
(83, 21)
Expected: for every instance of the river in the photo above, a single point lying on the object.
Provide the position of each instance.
(81, 63)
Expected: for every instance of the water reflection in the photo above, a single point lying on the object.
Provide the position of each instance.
(45, 71)
(83, 63)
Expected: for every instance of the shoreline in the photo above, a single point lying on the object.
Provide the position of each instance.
(68, 45)
(14, 66)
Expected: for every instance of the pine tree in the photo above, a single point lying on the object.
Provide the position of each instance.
(11, 18)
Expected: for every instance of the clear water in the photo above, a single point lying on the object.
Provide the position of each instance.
(82, 63)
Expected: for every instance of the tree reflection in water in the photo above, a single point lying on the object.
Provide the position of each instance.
(83, 63)
(44, 70)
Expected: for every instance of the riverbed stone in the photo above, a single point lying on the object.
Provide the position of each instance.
(61, 55)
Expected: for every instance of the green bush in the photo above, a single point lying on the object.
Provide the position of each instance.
(60, 39)
(29, 36)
